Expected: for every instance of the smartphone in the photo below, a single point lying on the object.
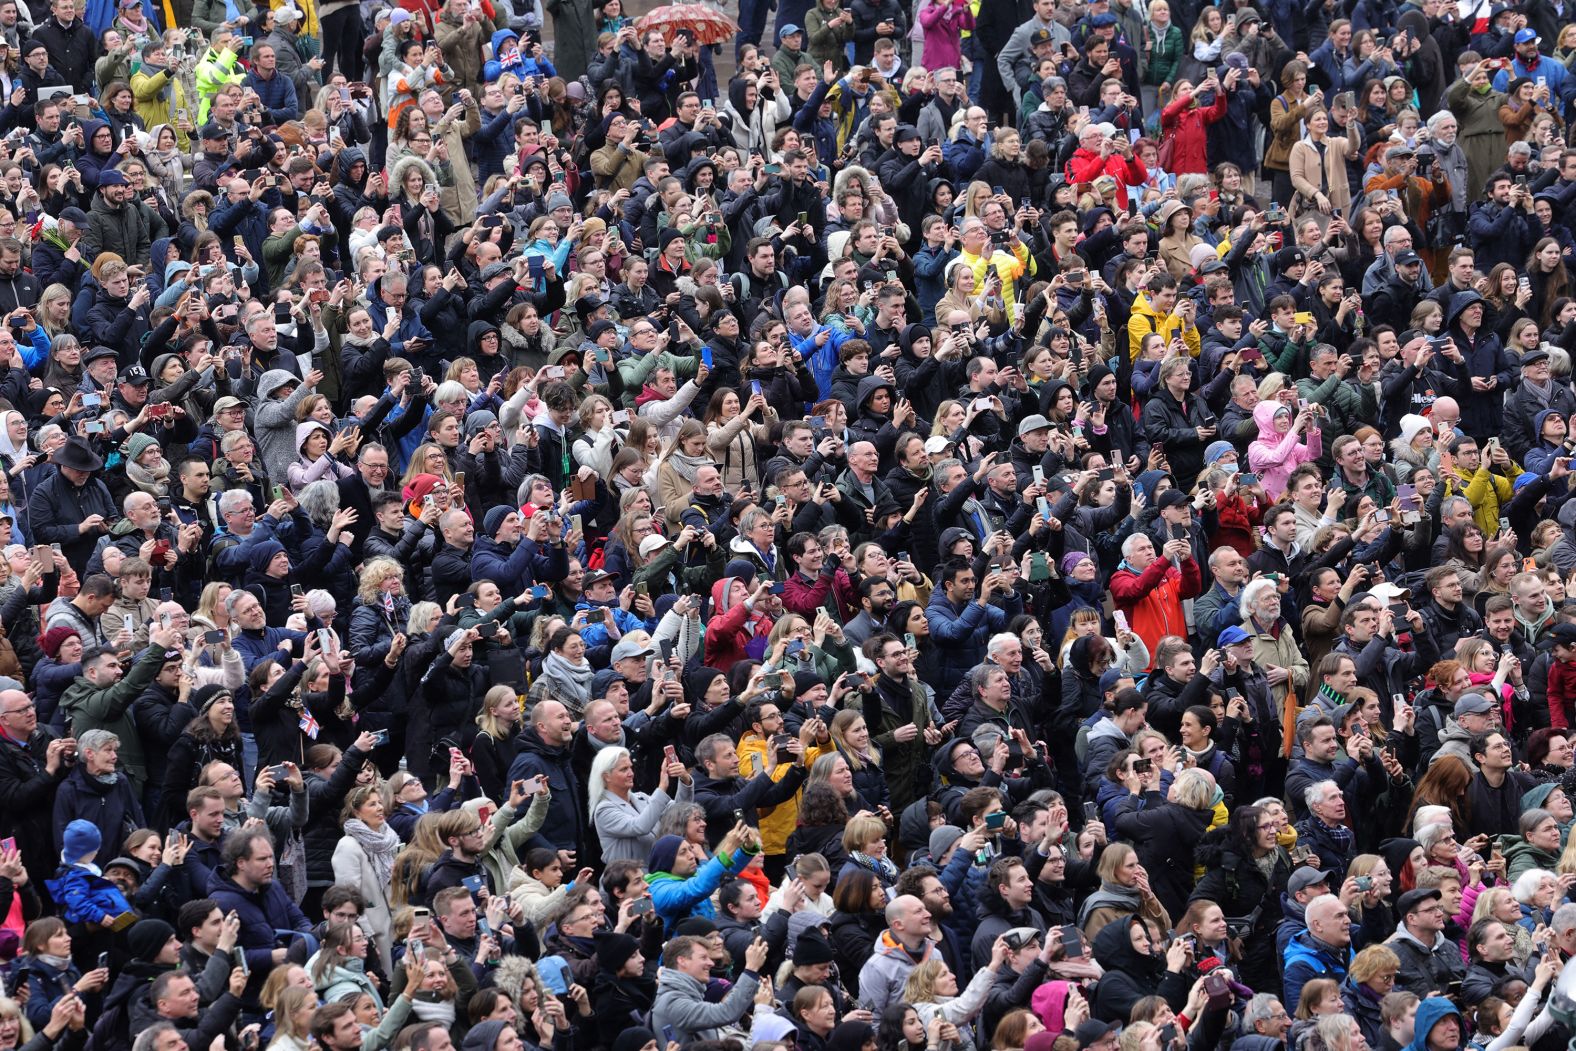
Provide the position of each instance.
(795, 648)
(776, 589)
(8, 844)
(213, 638)
(996, 820)
(1091, 811)
(1504, 525)
(1382, 515)
(909, 641)
(92, 401)
(159, 410)
(103, 961)
(1072, 942)
(295, 590)
(474, 884)
(380, 737)
(528, 787)
(488, 629)
(1143, 766)
(642, 906)
(1039, 474)
(755, 387)
(705, 356)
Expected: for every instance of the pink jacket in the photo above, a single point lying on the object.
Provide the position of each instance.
(1276, 456)
(944, 22)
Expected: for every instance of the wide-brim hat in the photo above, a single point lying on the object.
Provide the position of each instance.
(77, 455)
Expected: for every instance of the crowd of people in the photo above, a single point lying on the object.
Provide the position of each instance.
(1022, 525)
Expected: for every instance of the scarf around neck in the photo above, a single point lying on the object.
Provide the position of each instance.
(574, 677)
(380, 845)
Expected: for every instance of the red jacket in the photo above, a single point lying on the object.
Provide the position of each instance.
(1088, 165)
(1562, 695)
(1236, 523)
(1185, 122)
(1152, 600)
(730, 630)
(806, 597)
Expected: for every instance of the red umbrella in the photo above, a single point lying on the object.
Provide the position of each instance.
(707, 23)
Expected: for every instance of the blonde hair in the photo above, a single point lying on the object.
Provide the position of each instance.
(373, 573)
(921, 985)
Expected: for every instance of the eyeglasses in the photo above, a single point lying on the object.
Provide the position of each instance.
(20, 711)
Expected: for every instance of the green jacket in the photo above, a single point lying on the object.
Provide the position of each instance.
(902, 763)
(91, 707)
(1164, 55)
(634, 370)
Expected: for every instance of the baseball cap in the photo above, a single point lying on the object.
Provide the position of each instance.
(1472, 704)
(1035, 422)
(136, 375)
(1232, 635)
(628, 648)
(1408, 258)
(1564, 634)
(1306, 877)
(1091, 1031)
(1526, 36)
(789, 30)
(936, 444)
(1040, 36)
(1408, 903)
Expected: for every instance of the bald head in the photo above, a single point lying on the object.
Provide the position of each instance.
(18, 716)
(552, 724)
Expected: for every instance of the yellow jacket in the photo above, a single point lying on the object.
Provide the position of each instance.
(1010, 266)
(1487, 491)
(777, 822)
(1169, 327)
(155, 109)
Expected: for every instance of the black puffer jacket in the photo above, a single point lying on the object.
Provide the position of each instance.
(1130, 977)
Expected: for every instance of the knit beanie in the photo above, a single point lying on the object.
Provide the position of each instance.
(147, 938)
(204, 697)
(613, 950)
(138, 444)
(51, 640)
(81, 839)
(812, 948)
(663, 853)
(941, 840)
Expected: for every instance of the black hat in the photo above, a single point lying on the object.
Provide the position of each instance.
(1532, 357)
(1412, 899)
(597, 328)
(137, 376)
(614, 948)
(74, 215)
(811, 948)
(905, 133)
(1408, 258)
(1563, 634)
(1090, 1031)
(98, 354)
(77, 455)
(1171, 498)
(587, 305)
(212, 131)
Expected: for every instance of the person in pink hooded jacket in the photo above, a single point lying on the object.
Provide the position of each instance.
(1288, 437)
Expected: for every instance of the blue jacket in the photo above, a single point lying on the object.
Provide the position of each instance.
(278, 96)
(566, 820)
(517, 568)
(677, 899)
(1304, 961)
(960, 634)
(85, 897)
(45, 985)
(595, 633)
(262, 914)
(493, 141)
(410, 326)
